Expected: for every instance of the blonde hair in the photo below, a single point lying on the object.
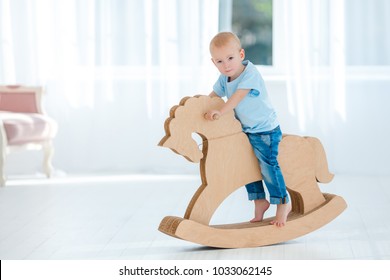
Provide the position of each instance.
(224, 38)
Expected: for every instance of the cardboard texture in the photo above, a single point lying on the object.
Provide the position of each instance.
(227, 162)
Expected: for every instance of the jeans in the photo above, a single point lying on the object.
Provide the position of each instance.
(266, 146)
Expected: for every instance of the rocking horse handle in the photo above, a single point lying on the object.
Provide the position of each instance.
(215, 116)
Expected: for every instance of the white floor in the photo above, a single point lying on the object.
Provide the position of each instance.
(116, 217)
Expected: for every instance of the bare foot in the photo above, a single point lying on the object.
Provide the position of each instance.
(282, 211)
(261, 205)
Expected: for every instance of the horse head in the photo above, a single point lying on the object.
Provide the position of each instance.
(188, 117)
(181, 142)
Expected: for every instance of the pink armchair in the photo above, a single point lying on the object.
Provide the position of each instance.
(24, 125)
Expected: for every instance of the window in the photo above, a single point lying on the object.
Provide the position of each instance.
(251, 20)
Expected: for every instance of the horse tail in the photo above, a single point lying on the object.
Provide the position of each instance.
(321, 169)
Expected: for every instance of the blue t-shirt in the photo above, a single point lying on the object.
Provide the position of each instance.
(255, 111)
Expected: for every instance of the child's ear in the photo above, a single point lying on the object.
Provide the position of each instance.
(242, 54)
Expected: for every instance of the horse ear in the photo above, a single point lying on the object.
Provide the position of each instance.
(321, 169)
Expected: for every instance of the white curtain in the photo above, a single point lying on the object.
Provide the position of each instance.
(367, 25)
(112, 70)
(79, 48)
(325, 43)
(315, 61)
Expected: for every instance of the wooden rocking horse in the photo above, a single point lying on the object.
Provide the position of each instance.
(227, 162)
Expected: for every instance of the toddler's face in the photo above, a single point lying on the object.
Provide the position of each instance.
(228, 59)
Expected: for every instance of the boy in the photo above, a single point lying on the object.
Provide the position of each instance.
(244, 87)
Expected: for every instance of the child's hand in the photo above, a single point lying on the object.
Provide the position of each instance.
(212, 115)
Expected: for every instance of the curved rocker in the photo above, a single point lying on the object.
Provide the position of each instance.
(227, 162)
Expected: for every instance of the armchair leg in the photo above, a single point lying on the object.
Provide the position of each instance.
(48, 150)
(3, 153)
(2, 175)
(2, 179)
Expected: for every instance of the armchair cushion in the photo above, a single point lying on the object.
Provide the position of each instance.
(23, 128)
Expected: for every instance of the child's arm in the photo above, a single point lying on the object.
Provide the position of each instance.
(229, 105)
